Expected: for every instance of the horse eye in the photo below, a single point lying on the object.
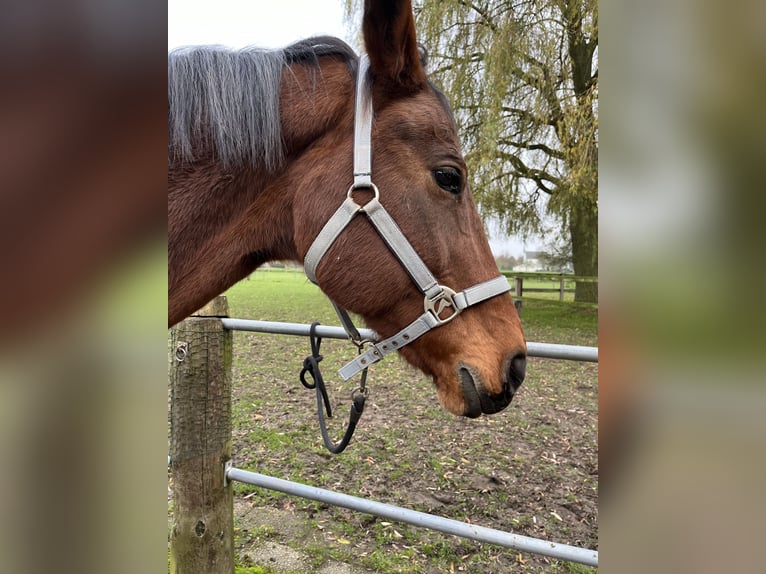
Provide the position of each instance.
(449, 179)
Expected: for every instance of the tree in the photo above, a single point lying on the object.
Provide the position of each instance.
(558, 257)
(522, 76)
(507, 262)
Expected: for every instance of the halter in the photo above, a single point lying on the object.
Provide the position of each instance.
(441, 304)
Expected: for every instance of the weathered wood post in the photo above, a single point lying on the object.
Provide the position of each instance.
(201, 536)
(519, 292)
(561, 289)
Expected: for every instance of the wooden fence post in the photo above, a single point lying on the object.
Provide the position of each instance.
(202, 532)
(519, 292)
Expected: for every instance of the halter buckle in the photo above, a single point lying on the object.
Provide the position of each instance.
(439, 304)
(360, 344)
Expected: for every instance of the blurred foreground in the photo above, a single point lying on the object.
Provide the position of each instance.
(83, 381)
(682, 400)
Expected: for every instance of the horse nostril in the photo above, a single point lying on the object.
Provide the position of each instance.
(518, 370)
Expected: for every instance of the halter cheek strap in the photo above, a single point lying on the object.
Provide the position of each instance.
(441, 304)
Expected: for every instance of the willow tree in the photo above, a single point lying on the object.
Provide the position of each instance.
(522, 76)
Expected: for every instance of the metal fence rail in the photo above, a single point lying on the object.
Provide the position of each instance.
(391, 512)
(446, 525)
(545, 350)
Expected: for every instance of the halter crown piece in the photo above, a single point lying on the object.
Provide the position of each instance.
(441, 304)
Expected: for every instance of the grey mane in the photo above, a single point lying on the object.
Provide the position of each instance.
(227, 101)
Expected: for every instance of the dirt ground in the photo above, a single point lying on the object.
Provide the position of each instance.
(531, 469)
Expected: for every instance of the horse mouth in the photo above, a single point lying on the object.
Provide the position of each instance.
(471, 397)
(475, 398)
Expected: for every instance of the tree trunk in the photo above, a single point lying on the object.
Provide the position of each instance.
(583, 228)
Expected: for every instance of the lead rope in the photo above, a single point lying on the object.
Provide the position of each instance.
(311, 366)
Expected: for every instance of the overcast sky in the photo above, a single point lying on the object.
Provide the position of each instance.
(273, 24)
(265, 23)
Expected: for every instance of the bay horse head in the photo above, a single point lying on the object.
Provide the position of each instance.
(263, 166)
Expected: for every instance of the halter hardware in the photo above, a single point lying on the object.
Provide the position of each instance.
(443, 300)
(354, 187)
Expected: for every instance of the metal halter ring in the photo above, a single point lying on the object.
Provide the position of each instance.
(361, 343)
(443, 300)
(354, 188)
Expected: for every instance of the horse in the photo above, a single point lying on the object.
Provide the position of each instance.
(265, 145)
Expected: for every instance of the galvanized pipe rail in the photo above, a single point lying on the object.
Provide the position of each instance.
(446, 525)
(545, 350)
(391, 512)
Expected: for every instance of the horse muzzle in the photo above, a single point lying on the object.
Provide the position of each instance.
(478, 400)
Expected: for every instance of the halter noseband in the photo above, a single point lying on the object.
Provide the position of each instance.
(438, 298)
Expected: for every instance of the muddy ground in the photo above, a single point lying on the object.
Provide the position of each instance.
(531, 469)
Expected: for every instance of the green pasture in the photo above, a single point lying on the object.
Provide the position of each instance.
(277, 294)
(531, 469)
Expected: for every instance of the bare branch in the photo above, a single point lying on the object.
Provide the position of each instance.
(558, 154)
(536, 175)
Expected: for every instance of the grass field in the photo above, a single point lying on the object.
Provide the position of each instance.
(531, 469)
(529, 283)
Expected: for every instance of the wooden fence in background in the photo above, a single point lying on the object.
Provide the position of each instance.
(561, 283)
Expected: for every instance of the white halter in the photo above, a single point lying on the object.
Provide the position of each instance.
(438, 298)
